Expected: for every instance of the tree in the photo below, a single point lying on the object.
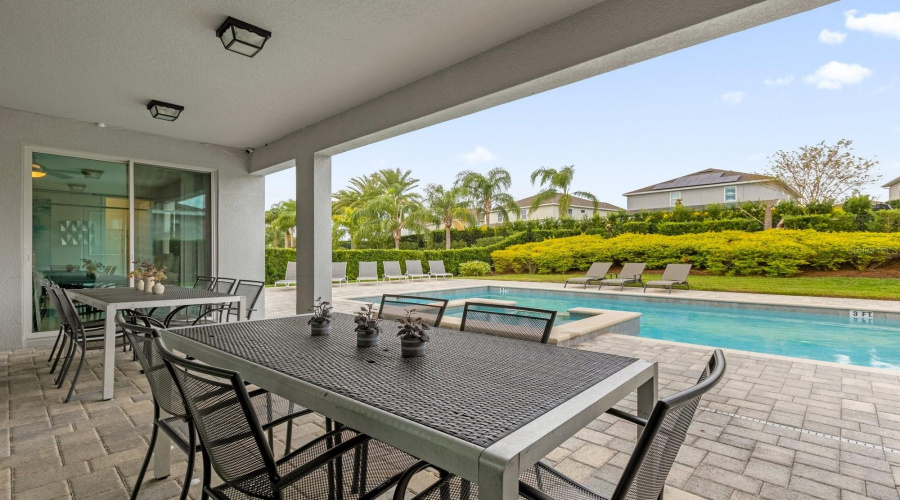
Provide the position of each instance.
(488, 192)
(282, 219)
(557, 183)
(446, 206)
(393, 207)
(821, 173)
(347, 201)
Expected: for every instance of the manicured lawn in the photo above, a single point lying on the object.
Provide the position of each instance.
(857, 288)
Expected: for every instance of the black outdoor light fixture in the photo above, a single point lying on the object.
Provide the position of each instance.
(164, 111)
(243, 38)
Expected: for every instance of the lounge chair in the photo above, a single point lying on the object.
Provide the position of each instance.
(675, 274)
(414, 270)
(339, 273)
(290, 275)
(597, 272)
(436, 269)
(392, 271)
(368, 271)
(631, 273)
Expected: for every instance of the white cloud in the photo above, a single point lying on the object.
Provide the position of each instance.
(779, 82)
(835, 75)
(733, 97)
(480, 154)
(829, 37)
(879, 24)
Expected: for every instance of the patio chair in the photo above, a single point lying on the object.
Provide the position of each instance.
(290, 275)
(339, 273)
(368, 271)
(392, 271)
(182, 316)
(223, 285)
(204, 282)
(597, 272)
(414, 270)
(523, 323)
(630, 273)
(436, 269)
(675, 274)
(64, 335)
(396, 307)
(235, 447)
(271, 410)
(645, 473)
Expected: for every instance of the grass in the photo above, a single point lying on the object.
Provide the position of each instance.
(856, 288)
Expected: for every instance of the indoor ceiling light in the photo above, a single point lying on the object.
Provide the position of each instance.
(243, 38)
(164, 111)
(76, 188)
(91, 174)
(37, 170)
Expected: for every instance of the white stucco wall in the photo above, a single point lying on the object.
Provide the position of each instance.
(894, 192)
(552, 212)
(241, 197)
(706, 196)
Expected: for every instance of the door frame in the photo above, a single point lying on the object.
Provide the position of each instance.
(28, 251)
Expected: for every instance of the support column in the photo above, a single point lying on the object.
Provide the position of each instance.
(313, 230)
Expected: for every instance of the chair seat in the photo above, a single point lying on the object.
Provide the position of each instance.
(617, 281)
(663, 283)
(585, 279)
(382, 465)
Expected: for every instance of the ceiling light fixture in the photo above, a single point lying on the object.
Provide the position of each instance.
(91, 174)
(243, 38)
(76, 188)
(37, 170)
(164, 111)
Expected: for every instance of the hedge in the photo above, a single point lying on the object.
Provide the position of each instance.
(707, 226)
(772, 253)
(820, 222)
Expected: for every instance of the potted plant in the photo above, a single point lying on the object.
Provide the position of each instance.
(412, 335)
(320, 321)
(367, 327)
(138, 276)
(91, 267)
(159, 275)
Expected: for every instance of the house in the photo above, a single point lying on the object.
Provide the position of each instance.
(893, 188)
(579, 208)
(704, 188)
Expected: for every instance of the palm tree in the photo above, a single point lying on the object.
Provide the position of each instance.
(347, 201)
(446, 206)
(393, 207)
(488, 192)
(282, 218)
(558, 183)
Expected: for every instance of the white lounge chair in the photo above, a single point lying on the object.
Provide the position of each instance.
(368, 271)
(414, 270)
(392, 271)
(290, 275)
(436, 269)
(339, 273)
(675, 274)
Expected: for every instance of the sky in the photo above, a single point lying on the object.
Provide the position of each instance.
(729, 103)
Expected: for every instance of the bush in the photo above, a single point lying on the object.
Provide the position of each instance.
(886, 221)
(676, 228)
(474, 268)
(860, 207)
(820, 222)
(636, 227)
(488, 241)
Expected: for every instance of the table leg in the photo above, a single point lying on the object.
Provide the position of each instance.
(242, 309)
(497, 478)
(109, 353)
(161, 462)
(647, 397)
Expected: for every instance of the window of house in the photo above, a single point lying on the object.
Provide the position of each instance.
(730, 193)
(501, 217)
(674, 198)
(570, 212)
(523, 214)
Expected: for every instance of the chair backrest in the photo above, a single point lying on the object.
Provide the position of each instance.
(162, 385)
(290, 272)
(632, 269)
(392, 268)
(396, 307)
(251, 290)
(229, 429)
(436, 267)
(72, 320)
(368, 270)
(599, 269)
(338, 270)
(645, 474)
(223, 285)
(523, 323)
(53, 294)
(204, 282)
(414, 267)
(676, 272)
(110, 270)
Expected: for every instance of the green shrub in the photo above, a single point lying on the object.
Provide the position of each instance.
(886, 221)
(488, 241)
(676, 228)
(820, 222)
(636, 227)
(860, 207)
(474, 268)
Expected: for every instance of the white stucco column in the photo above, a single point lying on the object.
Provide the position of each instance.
(313, 230)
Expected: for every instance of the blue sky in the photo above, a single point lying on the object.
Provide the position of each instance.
(729, 103)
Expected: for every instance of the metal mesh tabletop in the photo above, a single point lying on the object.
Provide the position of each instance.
(129, 294)
(478, 388)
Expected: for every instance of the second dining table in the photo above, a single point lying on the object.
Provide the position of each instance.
(478, 406)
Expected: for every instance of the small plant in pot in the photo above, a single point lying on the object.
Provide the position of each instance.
(367, 326)
(413, 335)
(320, 321)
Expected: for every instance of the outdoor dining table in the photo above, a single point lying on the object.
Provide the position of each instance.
(479, 406)
(111, 300)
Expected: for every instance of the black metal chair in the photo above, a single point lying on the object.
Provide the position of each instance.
(270, 409)
(523, 323)
(234, 445)
(223, 285)
(250, 289)
(396, 307)
(204, 282)
(644, 476)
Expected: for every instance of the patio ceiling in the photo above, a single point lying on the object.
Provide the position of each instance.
(102, 61)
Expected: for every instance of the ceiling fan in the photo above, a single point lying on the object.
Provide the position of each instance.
(38, 171)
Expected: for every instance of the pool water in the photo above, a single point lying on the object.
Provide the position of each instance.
(824, 337)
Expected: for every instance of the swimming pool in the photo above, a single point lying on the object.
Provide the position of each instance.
(798, 333)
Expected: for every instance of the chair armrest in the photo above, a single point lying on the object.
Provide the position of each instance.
(627, 416)
(316, 462)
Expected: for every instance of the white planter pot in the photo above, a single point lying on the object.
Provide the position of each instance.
(148, 286)
(139, 285)
(158, 289)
